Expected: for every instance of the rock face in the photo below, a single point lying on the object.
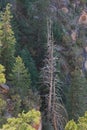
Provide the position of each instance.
(4, 88)
(83, 18)
(74, 35)
(65, 10)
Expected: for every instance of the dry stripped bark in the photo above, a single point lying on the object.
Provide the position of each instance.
(56, 112)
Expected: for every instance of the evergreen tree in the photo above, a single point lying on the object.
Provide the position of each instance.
(30, 64)
(77, 97)
(2, 101)
(20, 77)
(81, 124)
(24, 121)
(3, 4)
(7, 39)
(32, 28)
(3, 108)
(2, 75)
(2, 105)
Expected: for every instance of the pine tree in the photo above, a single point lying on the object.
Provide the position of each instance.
(32, 28)
(2, 75)
(30, 65)
(56, 112)
(77, 97)
(24, 121)
(7, 39)
(20, 77)
(81, 124)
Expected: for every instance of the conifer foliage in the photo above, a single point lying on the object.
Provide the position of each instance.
(7, 39)
(80, 125)
(30, 64)
(25, 121)
(20, 76)
(2, 75)
(77, 97)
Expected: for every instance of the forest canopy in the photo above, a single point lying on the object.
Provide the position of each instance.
(43, 64)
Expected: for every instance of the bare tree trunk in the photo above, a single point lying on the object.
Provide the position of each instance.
(54, 116)
(56, 110)
(50, 50)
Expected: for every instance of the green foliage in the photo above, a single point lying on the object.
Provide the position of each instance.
(16, 103)
(32, 28)
(20, 77)
(3, 4)
(2, 75)
(25, 121)
(2, 105)
(2, 110)
(71, 125)
(32, 100)
(80, 125)
(57, 31)
(47, 125)
(7, 39)
(77, 102)
(30, 64)
(83, 1)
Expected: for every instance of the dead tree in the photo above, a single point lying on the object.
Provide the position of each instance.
(56, 112)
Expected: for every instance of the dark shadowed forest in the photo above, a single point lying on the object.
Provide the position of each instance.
(43, 64)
